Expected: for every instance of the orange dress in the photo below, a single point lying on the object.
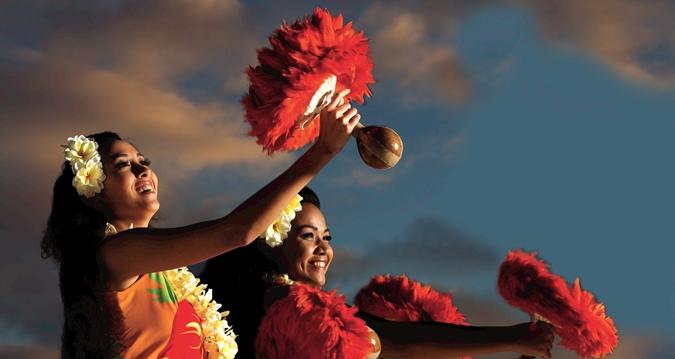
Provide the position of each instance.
(156, 325)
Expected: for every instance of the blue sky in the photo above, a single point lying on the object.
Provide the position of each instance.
(527, 125)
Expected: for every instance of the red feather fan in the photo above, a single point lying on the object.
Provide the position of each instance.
(398, 298)
(526, 282)
(301, 57)
(312, 323)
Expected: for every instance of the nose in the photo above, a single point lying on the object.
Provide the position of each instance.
(140, 170)
(322, 246)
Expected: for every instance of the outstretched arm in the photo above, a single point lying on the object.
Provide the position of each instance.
(441, 340)
(133, 252)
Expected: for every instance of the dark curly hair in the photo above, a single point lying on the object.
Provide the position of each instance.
(92, 327)
(237, 280)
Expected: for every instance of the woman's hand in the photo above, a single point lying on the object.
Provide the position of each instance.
(338, 120)
(533, 340)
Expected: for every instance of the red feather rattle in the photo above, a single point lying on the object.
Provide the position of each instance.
(526, 282)
(307, 63)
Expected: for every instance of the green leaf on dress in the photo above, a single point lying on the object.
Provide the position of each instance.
(164, 293)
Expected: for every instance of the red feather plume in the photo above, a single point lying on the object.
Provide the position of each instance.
(401, 299)
(526, 282)
(398, 298)
(311, 323)
(301, 57)
(598, 336)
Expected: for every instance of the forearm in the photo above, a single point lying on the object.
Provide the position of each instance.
(431, 339)
(261, 209)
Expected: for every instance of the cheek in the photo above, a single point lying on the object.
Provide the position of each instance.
(156, 180)
(301, 253)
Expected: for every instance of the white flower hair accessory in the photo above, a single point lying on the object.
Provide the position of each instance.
(278, 231)
(85, 162)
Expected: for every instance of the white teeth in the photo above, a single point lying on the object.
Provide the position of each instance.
(320, 264)
(145, 187)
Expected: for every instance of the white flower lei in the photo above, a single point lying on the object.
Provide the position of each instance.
(217, 335)
(278, 231)
(85, 162)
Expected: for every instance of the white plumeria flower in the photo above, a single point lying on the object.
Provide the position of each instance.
(272, 237)
(81, 150)
(89, 177)
(278, 231)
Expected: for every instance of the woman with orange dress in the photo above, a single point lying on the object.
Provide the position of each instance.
(125, 288)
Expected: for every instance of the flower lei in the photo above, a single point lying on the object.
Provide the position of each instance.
(218, 337)
(278, 231)
(276, 279)
(85, 162)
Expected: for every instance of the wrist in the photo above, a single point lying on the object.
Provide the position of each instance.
(323, 148)
(318, 155)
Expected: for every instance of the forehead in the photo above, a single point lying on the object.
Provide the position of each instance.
(310, 215)
(118, 147)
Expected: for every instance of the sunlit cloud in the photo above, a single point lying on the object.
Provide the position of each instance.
(424, 71)
(637, 39)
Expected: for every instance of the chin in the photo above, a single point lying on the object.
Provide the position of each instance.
(152, 205)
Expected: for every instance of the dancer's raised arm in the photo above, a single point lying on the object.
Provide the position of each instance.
(129, 254)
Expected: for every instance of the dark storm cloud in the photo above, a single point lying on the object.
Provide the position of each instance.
(428, 246)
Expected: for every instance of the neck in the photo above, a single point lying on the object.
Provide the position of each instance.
(124, 224)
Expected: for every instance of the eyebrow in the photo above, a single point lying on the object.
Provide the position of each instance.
(312, 227)
(124, 154)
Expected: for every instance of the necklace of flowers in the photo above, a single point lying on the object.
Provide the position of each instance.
(277, 279)
(218, 337)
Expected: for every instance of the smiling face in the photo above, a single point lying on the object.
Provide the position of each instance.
(130, 188)
(306, 254)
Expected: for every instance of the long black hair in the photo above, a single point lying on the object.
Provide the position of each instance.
(91, 328)
(238, 282)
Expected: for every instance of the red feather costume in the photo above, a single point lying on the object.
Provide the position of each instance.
(302, 56)
(526, 282)
(312, 323)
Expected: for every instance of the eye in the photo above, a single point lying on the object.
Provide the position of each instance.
(122, 164)
(146, 162)
(308, 235)
(327, 237)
